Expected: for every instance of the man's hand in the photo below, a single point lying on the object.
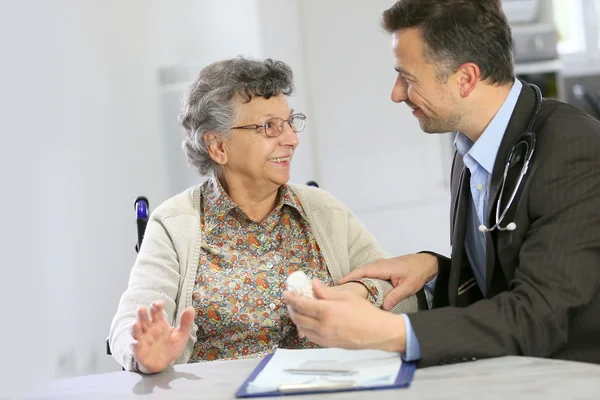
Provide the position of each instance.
(157, 343)
(408, 274)
(336, 318)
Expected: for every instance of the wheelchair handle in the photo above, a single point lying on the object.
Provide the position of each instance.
(141, 207)
(141, 212)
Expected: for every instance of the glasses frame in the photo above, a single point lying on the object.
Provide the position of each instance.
(281, 124)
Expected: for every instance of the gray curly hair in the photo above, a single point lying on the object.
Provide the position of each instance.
(210, 102)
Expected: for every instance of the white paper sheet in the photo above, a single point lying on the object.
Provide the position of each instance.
(373, 367)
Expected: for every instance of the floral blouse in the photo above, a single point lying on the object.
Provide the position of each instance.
(243, 266)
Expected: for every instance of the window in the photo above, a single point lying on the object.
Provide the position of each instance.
(578, 24)
(568, 16)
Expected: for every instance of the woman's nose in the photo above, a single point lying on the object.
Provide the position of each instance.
(288, 137)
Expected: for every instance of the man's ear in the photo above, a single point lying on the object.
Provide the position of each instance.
(467, 78)
(217, 148)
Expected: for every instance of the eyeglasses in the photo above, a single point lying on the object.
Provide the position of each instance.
(273, 127)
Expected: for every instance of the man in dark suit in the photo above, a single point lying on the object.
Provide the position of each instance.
(524, 275)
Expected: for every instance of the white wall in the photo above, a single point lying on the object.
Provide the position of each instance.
(373, 156)
(77, 94)
(261, 28)
(87, 126)
(22, 274)
(102, 150)
(192, 32)
(190, 35)
(106, 152)
(281, 38)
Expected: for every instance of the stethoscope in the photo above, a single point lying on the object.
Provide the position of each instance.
(526, 142)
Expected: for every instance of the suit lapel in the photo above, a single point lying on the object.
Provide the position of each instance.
(461, 195)
(458, 169)
(516, 126)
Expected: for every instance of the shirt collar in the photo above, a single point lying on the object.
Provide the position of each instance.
(218, 204)
(287, 197)
(485, 149)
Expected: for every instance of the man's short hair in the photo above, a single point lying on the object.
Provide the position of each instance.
(459, 31)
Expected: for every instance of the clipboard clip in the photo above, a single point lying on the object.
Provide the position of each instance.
(317, 384)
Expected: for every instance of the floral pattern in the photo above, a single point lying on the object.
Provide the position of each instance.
(243, 265)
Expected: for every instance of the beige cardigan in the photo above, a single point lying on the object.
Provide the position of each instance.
(167, 264)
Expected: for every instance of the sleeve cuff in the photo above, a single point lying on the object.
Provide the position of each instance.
(413, 350)
(429, 289)
(373, 291)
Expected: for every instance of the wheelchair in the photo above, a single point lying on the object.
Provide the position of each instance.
(142, 213)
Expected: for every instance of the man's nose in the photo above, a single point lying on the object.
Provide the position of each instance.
(399, 92)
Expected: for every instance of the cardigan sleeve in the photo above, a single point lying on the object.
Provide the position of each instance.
(345, 241)
(154, 276)
(364, 249)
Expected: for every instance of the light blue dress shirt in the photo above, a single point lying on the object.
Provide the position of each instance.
(479, 158)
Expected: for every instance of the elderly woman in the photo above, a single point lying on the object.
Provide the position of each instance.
(214, 260)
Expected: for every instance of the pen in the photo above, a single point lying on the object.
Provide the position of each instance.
(336, 372)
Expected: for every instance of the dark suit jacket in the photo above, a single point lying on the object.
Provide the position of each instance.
(543, 279)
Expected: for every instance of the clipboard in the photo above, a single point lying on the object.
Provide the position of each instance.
(402, 381)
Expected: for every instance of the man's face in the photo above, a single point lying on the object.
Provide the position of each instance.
(436, 105)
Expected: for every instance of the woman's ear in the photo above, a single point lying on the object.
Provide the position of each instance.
(217, 148)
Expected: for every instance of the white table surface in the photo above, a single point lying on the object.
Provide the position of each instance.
(510, 378)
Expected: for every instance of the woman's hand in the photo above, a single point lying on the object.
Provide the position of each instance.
(408, 274)
(157, 344)
(355, 288)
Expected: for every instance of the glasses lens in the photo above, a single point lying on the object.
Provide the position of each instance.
(273, 127)
(297, 122)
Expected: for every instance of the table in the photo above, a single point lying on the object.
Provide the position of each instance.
(501, 378)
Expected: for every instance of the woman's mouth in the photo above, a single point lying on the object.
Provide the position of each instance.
(280, 160)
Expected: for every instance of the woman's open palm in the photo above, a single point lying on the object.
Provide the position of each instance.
(157, 343)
